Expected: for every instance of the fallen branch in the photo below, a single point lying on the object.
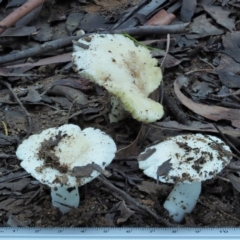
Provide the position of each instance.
(20, 12)
(44, 48)
(133, 201)
(64, 42)
(149, 30)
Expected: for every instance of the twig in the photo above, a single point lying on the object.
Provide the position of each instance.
(149, 30)
(163, 68)
(15, 176)
(3, 155)
(133, 201)
(5, 128)
(79, 44)
(226, 140)
(75, 114)
(237, 92)
(20, 12)
(21, 105)
(70, 109)
(64, 42)
(44, 48)
(201, 70)
(34, 195)
(207, 63)
(166, 53)
(145, 135)
(224, 179)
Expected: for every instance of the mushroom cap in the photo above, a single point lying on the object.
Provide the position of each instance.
(126, 71)
(76, 148)
(186, 158)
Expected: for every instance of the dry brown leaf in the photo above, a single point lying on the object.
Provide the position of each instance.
(161, 18)
(214, 113)
(221, 16)
(228, 69)
(150, 187)
(132, 149)
(188, 9)
(196, 126)
(125, 212)
(18, 32)
(234, 180)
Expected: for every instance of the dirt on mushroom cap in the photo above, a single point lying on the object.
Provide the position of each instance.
(193, 157)
(50, 157)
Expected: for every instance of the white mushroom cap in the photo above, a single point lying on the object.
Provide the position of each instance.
(192, 158)
(127, 72)
(76, 148)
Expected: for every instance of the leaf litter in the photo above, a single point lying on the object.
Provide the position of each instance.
(200, 92)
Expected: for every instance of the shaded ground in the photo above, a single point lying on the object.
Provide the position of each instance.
(206, 59)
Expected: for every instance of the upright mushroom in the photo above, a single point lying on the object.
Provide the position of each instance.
(65, 158)
(127, 72)
(185, 160)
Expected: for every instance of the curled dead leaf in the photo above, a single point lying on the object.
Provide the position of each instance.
(125, 212)
(214, 113)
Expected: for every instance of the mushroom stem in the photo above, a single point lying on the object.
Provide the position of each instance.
(65, 198)
(182, 199)
(117, 111)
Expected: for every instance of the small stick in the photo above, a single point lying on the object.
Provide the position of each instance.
(224, 179)
(201, 70)
(207, 63)
(166, 53)
(64, 42)
(79, 44)
(149, 30)
(3, 155)
(237, 92)
(5, 128)
(133, 201)
(70, 109)
(44, 48)
(20, 12)
(21, 105)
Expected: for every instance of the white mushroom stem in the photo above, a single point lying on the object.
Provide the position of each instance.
(65, 198)
(182, 199)
(188, 159)
(117, 111)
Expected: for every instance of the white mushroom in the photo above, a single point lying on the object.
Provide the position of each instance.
(65, 158)
(127, 72)
(185, 160)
